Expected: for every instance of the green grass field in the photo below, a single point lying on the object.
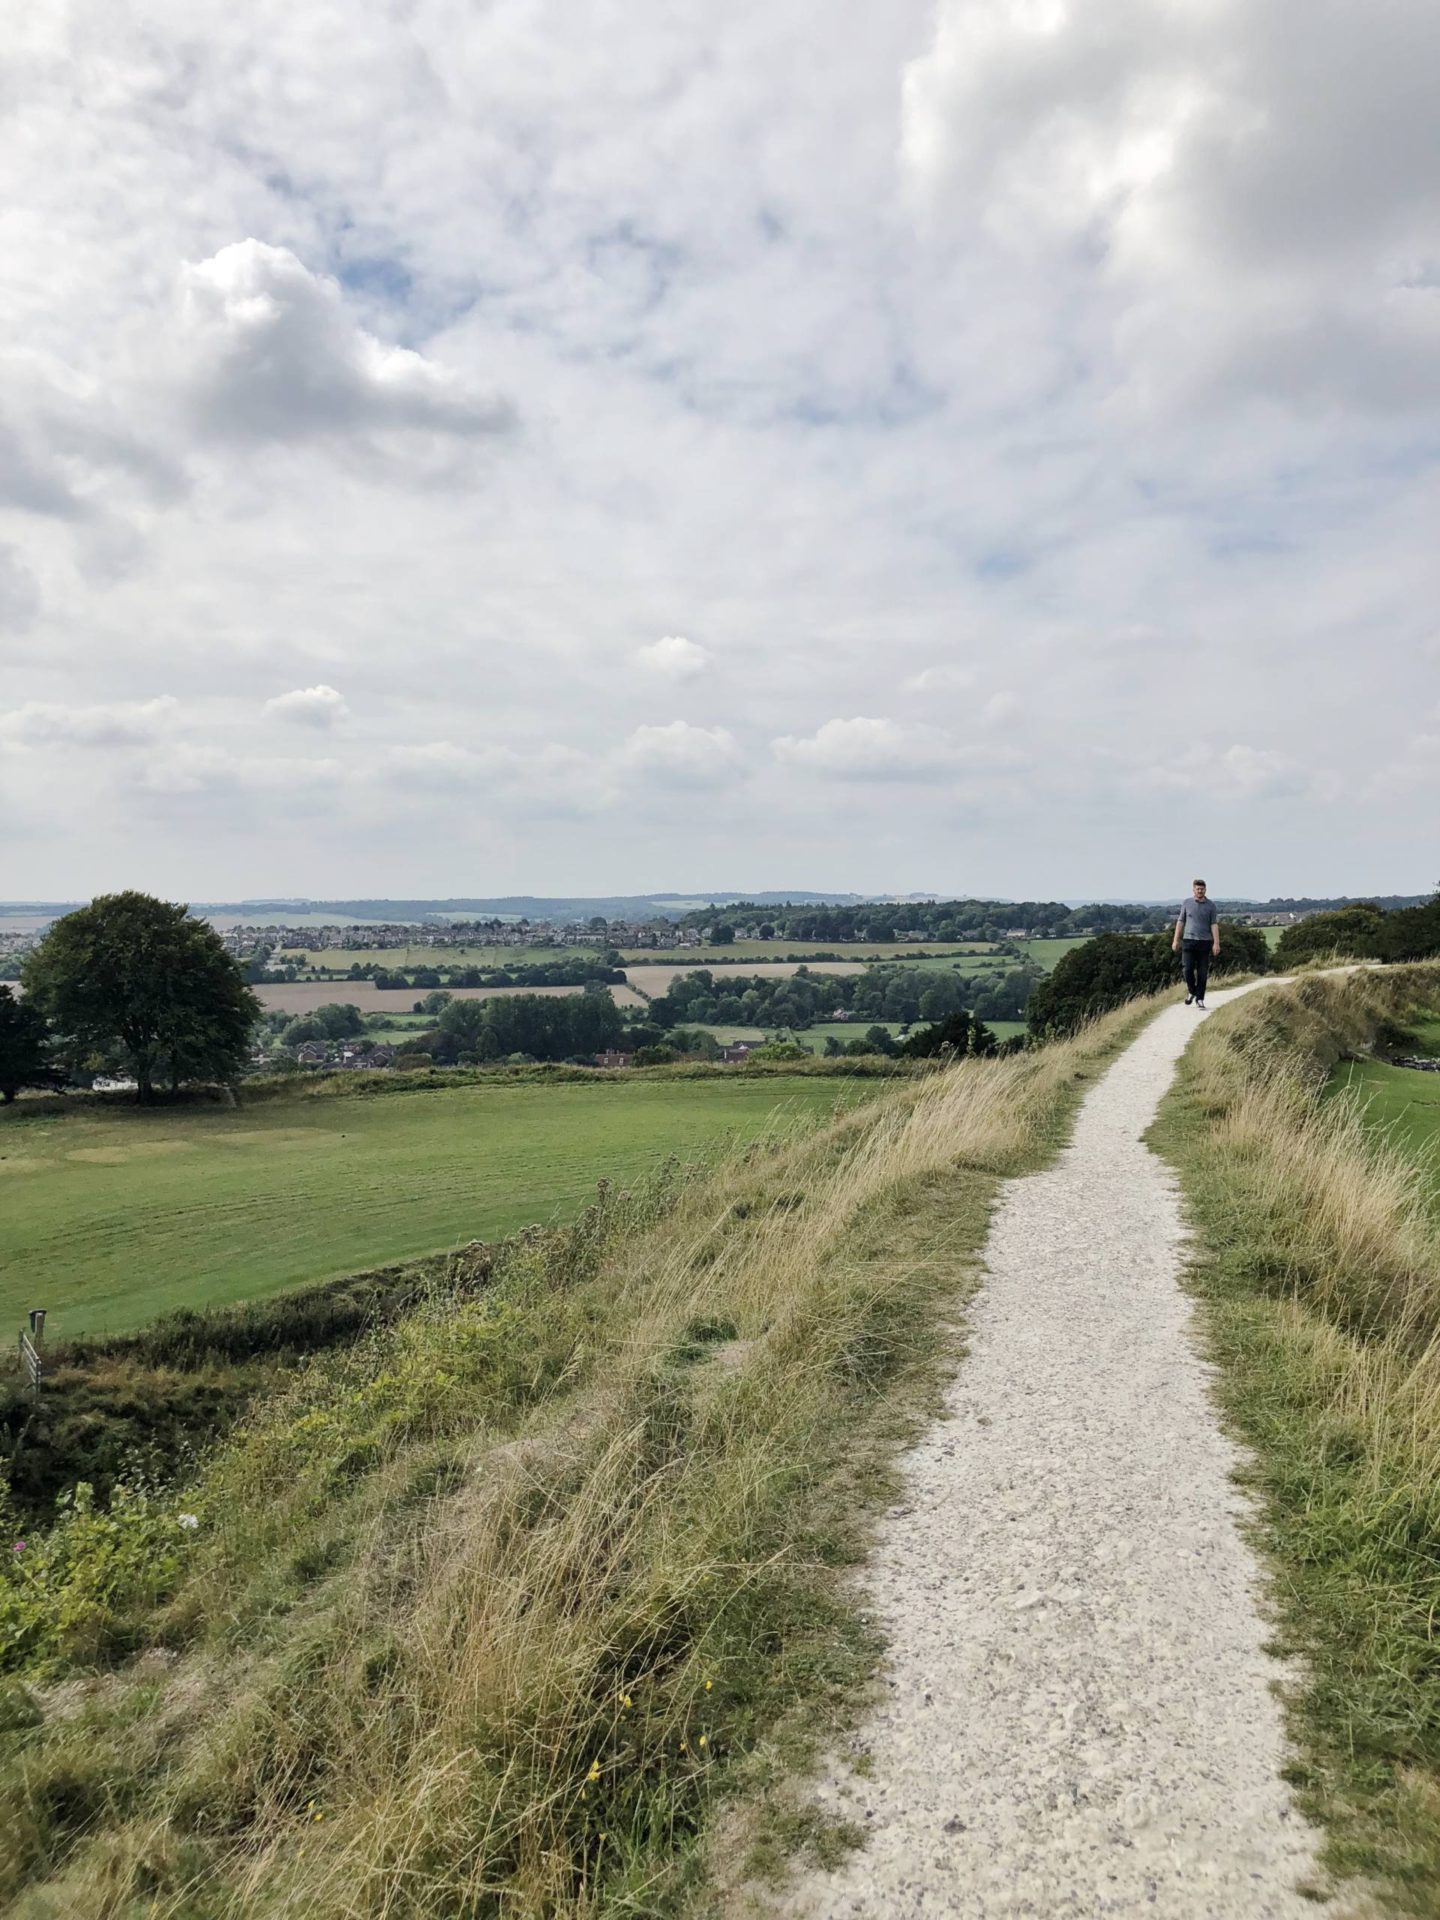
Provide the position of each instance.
(1402, 1101)
(108, 1218)
(1047, 952)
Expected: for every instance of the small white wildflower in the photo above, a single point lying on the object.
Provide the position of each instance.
(189, 1521)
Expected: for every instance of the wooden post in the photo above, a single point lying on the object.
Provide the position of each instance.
(30, 1344)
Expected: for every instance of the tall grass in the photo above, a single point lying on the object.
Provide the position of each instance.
(489, 1615)
(1317, 1256)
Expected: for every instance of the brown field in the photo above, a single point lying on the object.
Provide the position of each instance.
(656, 978)
(300, 996)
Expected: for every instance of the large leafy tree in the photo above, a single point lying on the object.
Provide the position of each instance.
(137, 980)
(25, 1059)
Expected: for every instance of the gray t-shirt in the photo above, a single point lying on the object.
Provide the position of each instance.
(1197, 918)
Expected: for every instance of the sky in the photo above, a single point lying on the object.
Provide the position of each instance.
(988, 447)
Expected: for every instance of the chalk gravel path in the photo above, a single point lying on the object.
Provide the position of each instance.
(1079, 1717)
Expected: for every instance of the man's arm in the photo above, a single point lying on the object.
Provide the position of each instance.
(1215, 937)
(1179, 922)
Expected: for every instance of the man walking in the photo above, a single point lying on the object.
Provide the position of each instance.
(1197, 941)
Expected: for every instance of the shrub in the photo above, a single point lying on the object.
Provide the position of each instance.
(1350, 930)
(78, 1590)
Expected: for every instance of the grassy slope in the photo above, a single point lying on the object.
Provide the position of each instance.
(491, 1617)
(1318, 1267)
(1401, 1102)
(117, 1215)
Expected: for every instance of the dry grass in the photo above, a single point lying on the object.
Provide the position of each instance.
(1318, 1260)
(489, 1616)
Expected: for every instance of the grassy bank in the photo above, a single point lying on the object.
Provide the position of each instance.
(491, 1614)
(1317, 1261)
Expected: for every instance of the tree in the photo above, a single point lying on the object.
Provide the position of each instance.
(950, 1036)
(24, 1047)
(1352, 930)
(1410, 933)
(337, 1020)
(137, 979)
(722, 934)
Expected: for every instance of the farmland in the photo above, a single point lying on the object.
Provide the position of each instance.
(654, 980)
(303, 996)
(422, 954)
(110, 1217)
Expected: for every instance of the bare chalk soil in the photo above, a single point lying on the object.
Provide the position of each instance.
(1078, 1716)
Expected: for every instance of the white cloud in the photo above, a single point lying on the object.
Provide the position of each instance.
(19, 595)
(681, 755)
(674, 658)
(40, 723)
(939, 680)
(1257, 187)
(1000, 709)
(1230, 773)
(202, 770)
(863, 749)
(275, 354)
(318, 706)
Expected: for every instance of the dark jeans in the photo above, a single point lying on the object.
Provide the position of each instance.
(1195, 958)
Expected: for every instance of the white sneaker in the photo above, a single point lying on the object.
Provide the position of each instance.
(1188, 998)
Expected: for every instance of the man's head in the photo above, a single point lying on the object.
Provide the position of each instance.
(1197, 887)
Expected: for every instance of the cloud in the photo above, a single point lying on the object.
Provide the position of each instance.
(674, 658)
(939, 680)
(1235, 773)
(274, 354)
(19, 595)
(681, 755)
(1000, 709)
(318, 706)
(41, 723)
(1257, 187)
(202, 770)
(863, 749)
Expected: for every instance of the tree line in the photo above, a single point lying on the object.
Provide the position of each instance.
(944, 920)
(1116, 967)
(902, 994)
(1365, 931)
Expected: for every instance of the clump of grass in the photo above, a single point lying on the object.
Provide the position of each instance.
(1317, 1258)
(489, 1614)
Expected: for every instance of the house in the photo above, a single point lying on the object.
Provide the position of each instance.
(612, 1057)
(738, 1051)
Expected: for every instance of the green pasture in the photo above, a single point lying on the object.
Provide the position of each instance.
(111, 1216)
(1048, 953)
(1402, 1102)
(843, 1030)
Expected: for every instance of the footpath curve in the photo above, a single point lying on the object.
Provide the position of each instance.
(1079, 1717)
